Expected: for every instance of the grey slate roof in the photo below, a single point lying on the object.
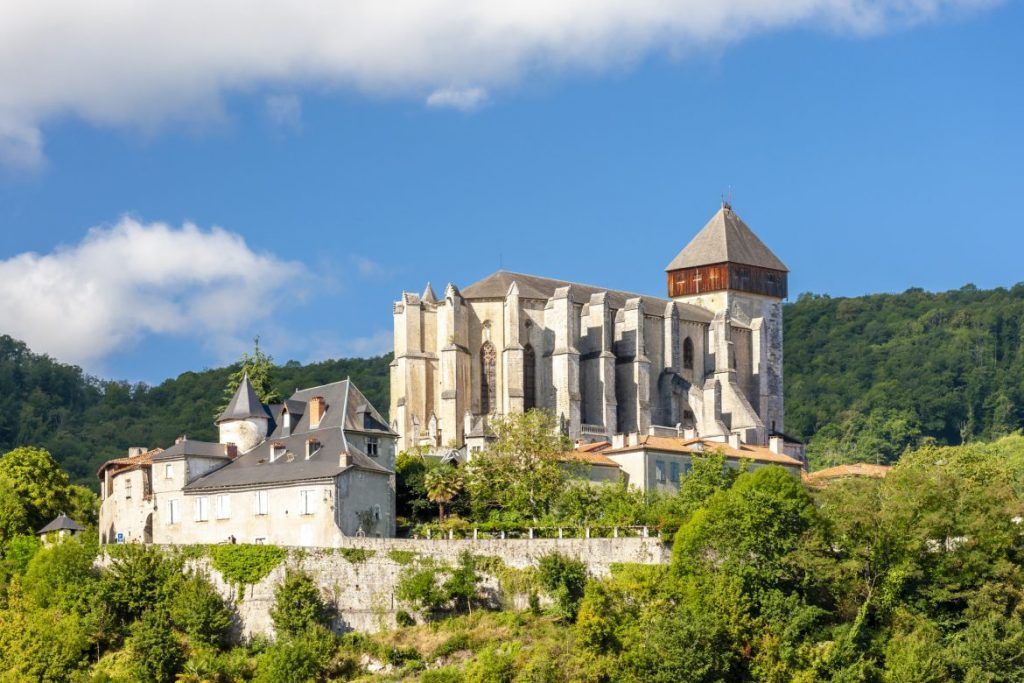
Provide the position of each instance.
(244, 404)
(495, 286)
(726, 238)
(346, 410)
(61, 523)
(254, 468)
(185, 447)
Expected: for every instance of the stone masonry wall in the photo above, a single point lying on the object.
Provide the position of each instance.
(363, 592)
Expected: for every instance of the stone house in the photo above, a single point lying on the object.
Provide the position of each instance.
(707, 358)
(310, 471)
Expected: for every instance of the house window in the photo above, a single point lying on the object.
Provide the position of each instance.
(376, 513)
(659, 471)
(307, 502)
(262, 502)
(128, 488)
(168, 471)
(529, 378)
(372, 446)
(688, 354)
(286, 423)
(202, 509)
(173, 513)
(687, 468)
(488, 378)
(223, 507)
(673, 472)
(312, 446)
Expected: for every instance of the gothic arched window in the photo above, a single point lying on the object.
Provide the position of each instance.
(688, 354)
(529, 378)
(488, 378)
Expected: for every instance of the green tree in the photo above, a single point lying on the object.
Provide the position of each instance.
(197, 608)
(519, 476)
(259, 367)
(156, 654)
(41, 644)
(298, 605)
(463, 583)
(38, 484)
(305, 657)
(136, 579)
(443, 484)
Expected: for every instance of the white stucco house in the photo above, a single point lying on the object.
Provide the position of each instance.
(306, 472)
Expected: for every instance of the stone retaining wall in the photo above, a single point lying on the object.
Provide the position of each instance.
(363, 592)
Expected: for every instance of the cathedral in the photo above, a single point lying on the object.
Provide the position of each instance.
(704, 362)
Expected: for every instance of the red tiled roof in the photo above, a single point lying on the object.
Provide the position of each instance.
(671, 444)
(123, 464)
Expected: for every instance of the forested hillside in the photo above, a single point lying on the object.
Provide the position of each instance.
(865, 378)
(84, 421)
(868, 376)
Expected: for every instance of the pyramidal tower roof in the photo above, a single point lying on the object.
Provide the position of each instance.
(244, 404)
(726, 238)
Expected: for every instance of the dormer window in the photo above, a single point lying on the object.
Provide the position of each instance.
(286, 423)
(312, 448)
(277, 449)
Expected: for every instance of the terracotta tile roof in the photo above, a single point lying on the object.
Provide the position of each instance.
(590, 453)
(671, 444)
(122, 464)
(860, 469)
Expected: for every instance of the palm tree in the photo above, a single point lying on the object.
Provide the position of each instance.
(443, 483)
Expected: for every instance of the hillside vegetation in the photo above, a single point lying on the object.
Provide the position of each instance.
(917, 577)
(866, 377)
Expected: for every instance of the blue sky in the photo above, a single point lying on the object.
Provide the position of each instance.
(870, 161)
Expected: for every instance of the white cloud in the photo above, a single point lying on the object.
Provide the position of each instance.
(375, 344)
(466, 99)
(120, 62)
(83, 302)
(367, 267)
(284, 110)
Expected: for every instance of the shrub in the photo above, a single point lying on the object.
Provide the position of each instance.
(492, 665)
(298, 606)
(41, 644)
(246, 564)
(356, 555)
(448, 674)
(306, 657)
(156, 654)
(418, 586)
(135, 581)
(402, 557)
(197, 609)
(457, 643)
(461, 587)
(565, 580)
(404, 619)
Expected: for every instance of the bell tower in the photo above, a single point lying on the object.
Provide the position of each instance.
(729, 271)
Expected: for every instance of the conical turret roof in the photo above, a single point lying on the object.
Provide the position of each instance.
(726, 239)
(244, 404)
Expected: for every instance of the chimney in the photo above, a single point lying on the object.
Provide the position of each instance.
(634, 438)
(180, 439)
(135, 451)
(689, 433)
(777, 445)
(734, 441)
(618, 440)
(345, 459)
(231, 450)
(316, 411)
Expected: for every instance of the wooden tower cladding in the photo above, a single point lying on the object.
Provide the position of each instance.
(722, 276)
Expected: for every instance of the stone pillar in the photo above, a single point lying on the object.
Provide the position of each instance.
(640, 367)
(512, 354)
(455, 370)
(560, 317)
(601, 326)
